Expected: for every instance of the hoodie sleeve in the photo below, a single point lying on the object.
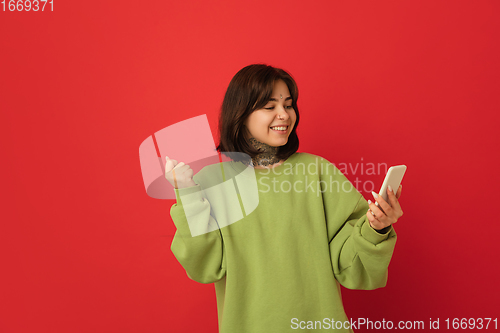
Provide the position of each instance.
(359, 254)
(197, 243)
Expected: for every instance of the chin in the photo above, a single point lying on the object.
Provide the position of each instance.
(276, 144)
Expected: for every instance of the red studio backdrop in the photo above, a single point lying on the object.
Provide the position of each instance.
(82, 84)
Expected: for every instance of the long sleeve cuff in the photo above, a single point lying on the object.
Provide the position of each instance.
(188, 195)
(372, 235)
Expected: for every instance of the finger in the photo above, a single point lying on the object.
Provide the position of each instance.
(378, 213)
(182, 170)
(372, 220)
(391, 196)
(393, 200)
(381, 203)
(376, 203)
(169, 165)
(400, 189)
(179, 165)
(185, 168)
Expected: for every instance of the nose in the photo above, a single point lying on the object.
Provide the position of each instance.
(282, 114)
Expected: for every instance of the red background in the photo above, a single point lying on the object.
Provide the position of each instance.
(84, 249)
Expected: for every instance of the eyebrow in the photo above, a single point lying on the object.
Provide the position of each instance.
(275, 100)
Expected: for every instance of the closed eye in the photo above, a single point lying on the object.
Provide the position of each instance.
(286, 107)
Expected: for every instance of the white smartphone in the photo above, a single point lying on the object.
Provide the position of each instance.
(393, 177)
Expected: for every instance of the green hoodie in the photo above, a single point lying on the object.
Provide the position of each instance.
(278, 267)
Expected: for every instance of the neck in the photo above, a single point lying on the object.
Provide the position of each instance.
(267, 155)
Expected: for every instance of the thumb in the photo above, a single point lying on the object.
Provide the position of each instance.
(175, 178)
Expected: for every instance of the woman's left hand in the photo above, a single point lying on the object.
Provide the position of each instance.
(384, 215)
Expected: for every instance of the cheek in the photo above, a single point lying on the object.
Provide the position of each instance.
(263, 121)
(256, 123)
(294, 117)
(259, 122)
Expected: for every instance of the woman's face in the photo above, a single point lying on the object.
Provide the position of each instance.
(273, 123)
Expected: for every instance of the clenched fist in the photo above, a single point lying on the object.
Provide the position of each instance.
(180, 175)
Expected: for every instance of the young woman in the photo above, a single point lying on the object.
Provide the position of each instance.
(277, 265)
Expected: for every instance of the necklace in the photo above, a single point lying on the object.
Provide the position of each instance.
(267, 155)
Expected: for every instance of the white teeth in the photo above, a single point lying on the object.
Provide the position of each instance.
(281, 128)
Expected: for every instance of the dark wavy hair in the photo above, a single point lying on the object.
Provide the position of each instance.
(249, 90)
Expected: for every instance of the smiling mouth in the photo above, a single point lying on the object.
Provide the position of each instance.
(279, 128)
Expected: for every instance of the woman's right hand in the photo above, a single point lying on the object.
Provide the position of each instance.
(180, 175)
